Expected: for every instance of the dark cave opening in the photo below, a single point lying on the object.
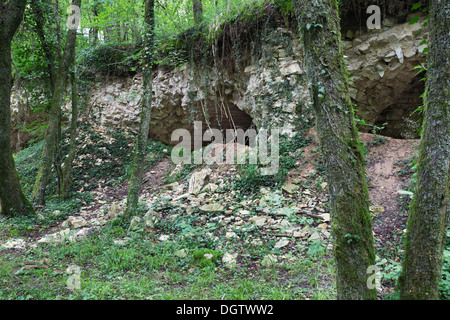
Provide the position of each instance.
(399, 119)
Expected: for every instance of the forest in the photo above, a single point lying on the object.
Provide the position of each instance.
(224, 150)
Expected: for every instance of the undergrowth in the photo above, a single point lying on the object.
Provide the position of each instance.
(290, 153)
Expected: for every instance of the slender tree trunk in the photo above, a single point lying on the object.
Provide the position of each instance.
(341, 150)
(118, 31)
(57, 162)
(95, 29)
(142, 139)
(430, 211)
(73, 138)
(12, 200)
(58, 29)
(38, 15)
(52, 129)
(197, 7)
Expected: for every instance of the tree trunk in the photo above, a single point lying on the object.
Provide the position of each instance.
(341, 150)
(197, 7)
(429, 211)
(95, 29)
(52, 129)
(58, 30)
(37, 11)
(12, 200)
(142, 139)
(73, 138)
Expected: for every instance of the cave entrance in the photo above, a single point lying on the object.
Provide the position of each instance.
(399, 116)
(222, 116)
(389, 103)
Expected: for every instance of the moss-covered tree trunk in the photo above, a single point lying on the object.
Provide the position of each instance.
(430, 211)
(12, 200)
(197, 7)
(73, 138)
(53, 122)
(341, 150)
(140, 150)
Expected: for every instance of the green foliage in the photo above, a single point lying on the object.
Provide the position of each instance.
(156, 151)
(316, 248)
(289, 153)
(378, 129)
(352, 238)
(169, 55)
(111, 41)
(27, 166)
(17, 227)
(206, 257)
(444, 284)
(111, 60)
(416, 18)
(189, 227)
(118, 21)
(251, 179)
(28, 66)
(145, 267)
(114, 156)
(36, 129)
(421, 67)
(101, 157)
(30, 61)
(67, 207)
(287, 7)
(121, 260)
(407, 169)
(389, 271)
(175, 17)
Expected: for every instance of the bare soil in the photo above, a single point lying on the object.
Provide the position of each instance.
(385, 159)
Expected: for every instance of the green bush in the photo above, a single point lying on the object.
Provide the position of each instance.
(111, 60)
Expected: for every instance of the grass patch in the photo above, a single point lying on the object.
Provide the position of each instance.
(143, 267)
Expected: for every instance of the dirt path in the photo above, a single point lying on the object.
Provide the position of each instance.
(384, 162)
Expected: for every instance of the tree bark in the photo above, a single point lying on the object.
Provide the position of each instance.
(12, 200)
(429, 212)
(142, 140)
(197, 7)
(47, 47)
(52, 129)
(341, 149)
(73, 139)
(95, 29)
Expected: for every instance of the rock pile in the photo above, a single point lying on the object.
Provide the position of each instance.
(274, 218)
